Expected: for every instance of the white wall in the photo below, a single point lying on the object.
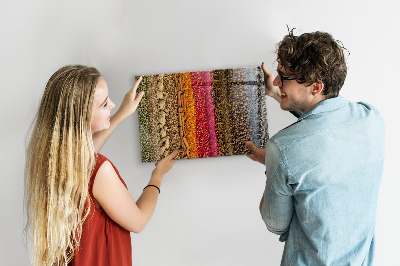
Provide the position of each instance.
(208, 208)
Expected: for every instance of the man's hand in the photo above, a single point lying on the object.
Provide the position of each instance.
(258, 155)
(270, 89)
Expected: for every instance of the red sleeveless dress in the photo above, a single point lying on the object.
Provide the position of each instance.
(103, 241)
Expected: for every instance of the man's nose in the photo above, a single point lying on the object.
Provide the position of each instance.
(277, 81)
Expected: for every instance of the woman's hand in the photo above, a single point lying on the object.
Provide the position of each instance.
(131, 101)
(270, 89)
(128, 107)
(163, 166)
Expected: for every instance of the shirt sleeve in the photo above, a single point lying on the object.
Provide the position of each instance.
(277, 209)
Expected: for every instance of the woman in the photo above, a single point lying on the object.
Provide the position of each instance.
(78, 207)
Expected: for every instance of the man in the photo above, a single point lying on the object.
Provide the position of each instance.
(323, 171)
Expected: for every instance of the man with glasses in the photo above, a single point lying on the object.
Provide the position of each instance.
(323, 171)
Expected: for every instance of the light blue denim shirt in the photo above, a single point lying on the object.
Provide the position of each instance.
(323, 175)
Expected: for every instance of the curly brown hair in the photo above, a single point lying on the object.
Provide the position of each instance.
(314, 57)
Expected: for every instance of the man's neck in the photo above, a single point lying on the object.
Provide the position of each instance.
(316, 100)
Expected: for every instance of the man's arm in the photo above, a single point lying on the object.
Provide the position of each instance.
(276, 206)
(128, 107)
(274, 91)
(276, 211)
(270, 89)
(257, 154)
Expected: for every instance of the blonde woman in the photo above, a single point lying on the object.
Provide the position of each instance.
(78, 207)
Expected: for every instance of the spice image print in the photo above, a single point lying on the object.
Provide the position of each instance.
(202, 113)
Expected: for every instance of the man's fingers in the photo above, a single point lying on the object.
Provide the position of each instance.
(252, 156)
(263, 66)
(265, 69)
(251, 146)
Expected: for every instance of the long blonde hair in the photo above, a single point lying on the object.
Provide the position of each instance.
(59, 161)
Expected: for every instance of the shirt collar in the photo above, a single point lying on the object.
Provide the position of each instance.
(325, 106)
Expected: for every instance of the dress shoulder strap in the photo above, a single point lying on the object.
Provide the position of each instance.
(100, 159)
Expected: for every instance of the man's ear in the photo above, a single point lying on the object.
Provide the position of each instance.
(317, 88)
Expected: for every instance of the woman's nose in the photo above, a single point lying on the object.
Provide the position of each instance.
(112, 105)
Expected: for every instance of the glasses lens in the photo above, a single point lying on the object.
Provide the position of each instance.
(280, 78)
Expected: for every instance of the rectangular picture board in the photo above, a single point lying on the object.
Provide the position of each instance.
(202, 113)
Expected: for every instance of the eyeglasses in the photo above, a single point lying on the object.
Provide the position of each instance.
(282, 78)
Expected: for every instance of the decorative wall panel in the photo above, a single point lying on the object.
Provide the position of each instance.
(202, 113)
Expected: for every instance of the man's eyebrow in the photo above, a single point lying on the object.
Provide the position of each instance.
(283, 74)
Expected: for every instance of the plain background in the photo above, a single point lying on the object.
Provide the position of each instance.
(208, 208)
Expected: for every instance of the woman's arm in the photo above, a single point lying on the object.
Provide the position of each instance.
(128, 107)
(116, 201)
